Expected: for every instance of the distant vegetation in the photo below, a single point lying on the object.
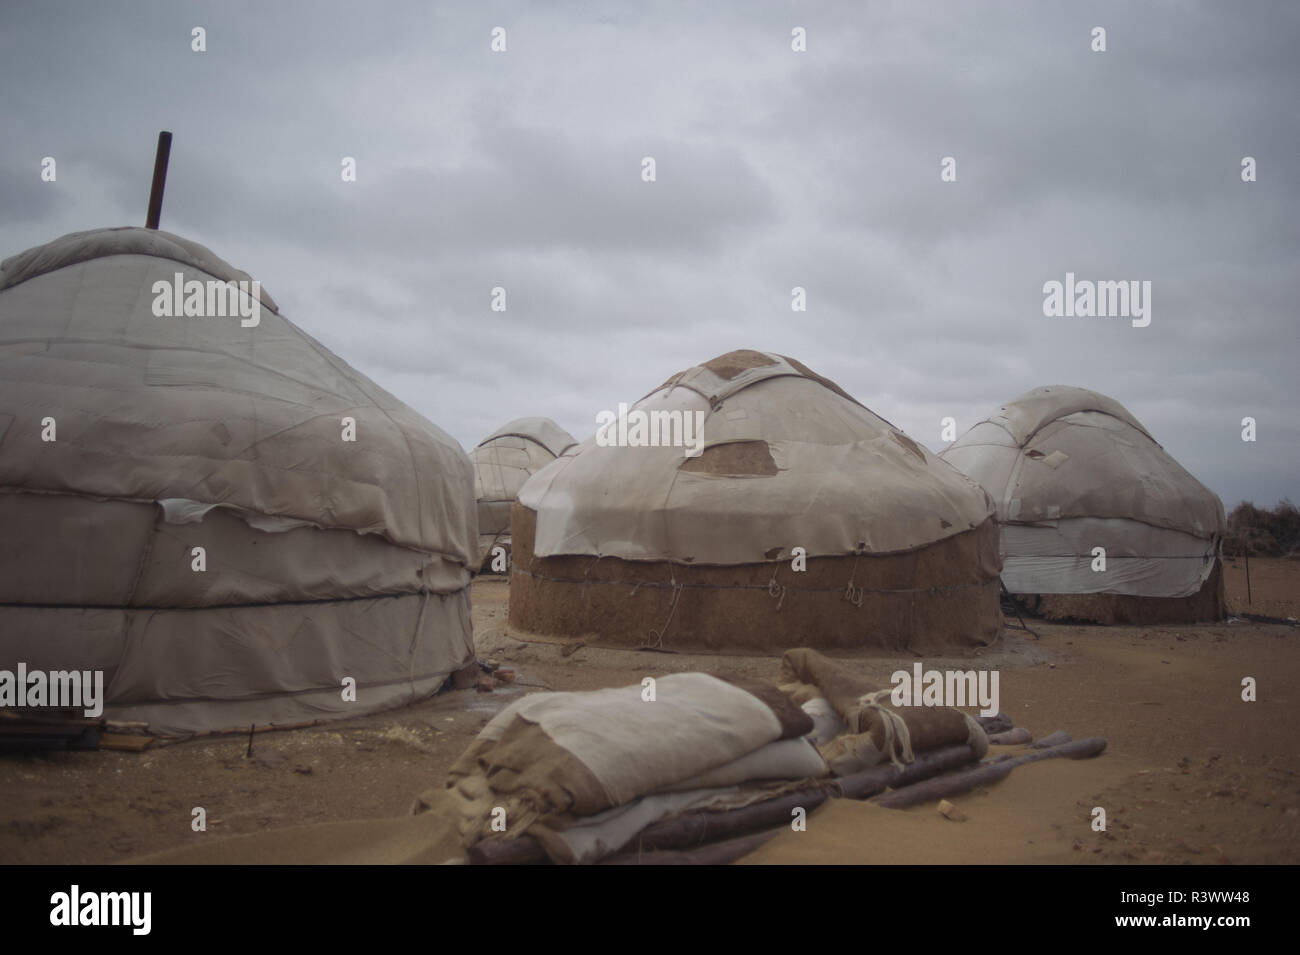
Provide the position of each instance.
(1263, 531)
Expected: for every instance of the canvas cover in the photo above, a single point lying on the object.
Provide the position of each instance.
(1070, 470)
(789, 459)
(325, 558)
(542, 431)
(585, 772)
(503, 461)
(608, 762)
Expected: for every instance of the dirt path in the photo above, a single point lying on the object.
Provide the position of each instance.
(1193, 774)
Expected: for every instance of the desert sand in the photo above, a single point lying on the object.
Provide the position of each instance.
(1192, 773)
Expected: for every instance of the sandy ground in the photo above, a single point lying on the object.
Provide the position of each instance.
(1192, 774)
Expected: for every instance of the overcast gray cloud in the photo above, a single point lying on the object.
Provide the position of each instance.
(775, 169)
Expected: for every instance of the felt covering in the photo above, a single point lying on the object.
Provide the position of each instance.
(324, 558)
(503, 461)
(633, 545)
(1070, 470)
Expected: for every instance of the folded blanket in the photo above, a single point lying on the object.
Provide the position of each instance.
(591, 838)
(551, 758)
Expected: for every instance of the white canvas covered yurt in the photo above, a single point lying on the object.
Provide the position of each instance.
(1071, 470)
(128, 441)
(503, 461)
(650, 546)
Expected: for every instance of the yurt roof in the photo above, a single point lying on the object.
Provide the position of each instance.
(543, 431)
(1024, 416)
(1058, 452)
(204, 412)
(789, 459)
(126, 240)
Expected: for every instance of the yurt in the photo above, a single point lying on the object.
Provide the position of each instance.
(1099, 522)
(503, 461)
(749, 505)
(205, 504)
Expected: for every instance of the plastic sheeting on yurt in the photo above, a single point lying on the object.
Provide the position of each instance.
(1071, 470)
(503, 461)
(128, 441)
(655, 546)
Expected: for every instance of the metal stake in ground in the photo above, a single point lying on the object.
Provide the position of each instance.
(1007, 598)
(1248, 600)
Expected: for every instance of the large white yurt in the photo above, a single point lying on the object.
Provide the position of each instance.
(218, 513)
(1071, 471)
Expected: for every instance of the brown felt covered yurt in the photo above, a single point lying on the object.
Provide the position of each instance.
(697, 543)
(1076, 477)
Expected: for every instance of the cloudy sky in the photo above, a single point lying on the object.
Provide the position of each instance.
(774, 169)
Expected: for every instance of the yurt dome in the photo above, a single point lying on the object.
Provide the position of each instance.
(503, 461)
(1071, 470)
(804, 520)
(217, 512)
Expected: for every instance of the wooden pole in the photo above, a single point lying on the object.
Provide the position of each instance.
(697, 828)
(1012, 737)
(1015, 606)
(159, 179)
(984, 774)
(1248, 600)
(926, 765)
(1047, 742)
(524, 850)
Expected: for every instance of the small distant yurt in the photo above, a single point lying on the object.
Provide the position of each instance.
(1070, 471)
(203, 502)
(749, 504)
(503, 461)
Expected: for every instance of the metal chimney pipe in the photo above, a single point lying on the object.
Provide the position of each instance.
(159, 179)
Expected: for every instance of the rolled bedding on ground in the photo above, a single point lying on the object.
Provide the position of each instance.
(584, 774)
(875, 731)
(554, 762)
